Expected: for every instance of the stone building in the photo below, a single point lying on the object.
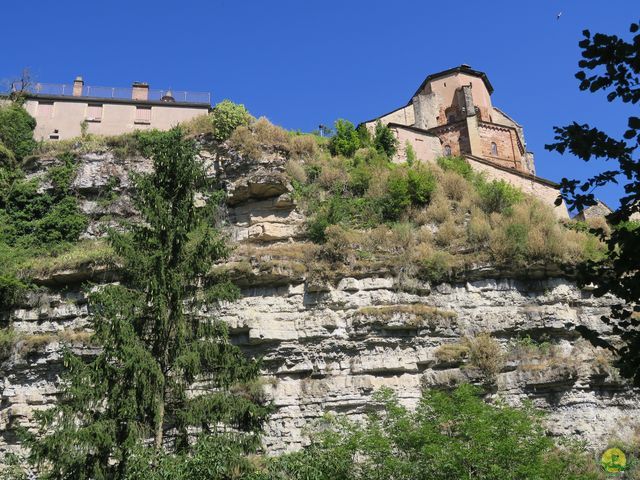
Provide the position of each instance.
(451, 114)
(61, 110)
(600, 209)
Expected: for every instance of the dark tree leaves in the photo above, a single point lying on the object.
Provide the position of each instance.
(611, 64)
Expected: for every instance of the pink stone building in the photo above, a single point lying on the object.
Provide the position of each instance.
(451, 113)
(62, 111)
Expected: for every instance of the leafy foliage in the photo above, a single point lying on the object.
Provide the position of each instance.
(7, 157)
(16, 130)
(346, 139)
(224, 456)
(380, 208)
(407, 187)
(498, 195)
(34, 219)
(154, 342)
(410, 153)
(384, 140)
(610, 64)
(34, 222)
(449, 436)
(456, 164)
(226, 117)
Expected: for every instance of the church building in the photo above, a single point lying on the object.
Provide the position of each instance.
(451, 114)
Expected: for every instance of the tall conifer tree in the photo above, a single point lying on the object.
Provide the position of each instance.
(156, 344)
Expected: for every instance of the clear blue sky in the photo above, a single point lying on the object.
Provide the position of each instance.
(304, 63)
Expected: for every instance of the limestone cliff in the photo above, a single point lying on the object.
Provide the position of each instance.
(329, 343)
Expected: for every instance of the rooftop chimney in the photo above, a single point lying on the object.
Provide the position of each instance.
(140, 91)
(78, 85)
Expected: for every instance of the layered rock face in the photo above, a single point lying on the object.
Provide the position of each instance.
(328, 346)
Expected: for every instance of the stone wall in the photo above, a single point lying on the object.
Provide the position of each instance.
(427, 147)
(402, 116)
(545, 191)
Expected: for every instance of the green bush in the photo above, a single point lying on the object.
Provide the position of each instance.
(62, 176)
(16, 130)
(410, 153)
(30, 218)
(436, 266)
(456, 164)
(63, 223)
(498, 195)
(346, 139)
(11, 288)
(398, 197)
(7, 158)
(213, 457)
(226, 117)
(365, 136)
(360, 179)
(408, 187)
(515, 240)
(449, 436)
(422, 184)
(357, 212)
(384, 140)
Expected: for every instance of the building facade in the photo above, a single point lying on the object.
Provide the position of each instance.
(451, 114)
(65, 111)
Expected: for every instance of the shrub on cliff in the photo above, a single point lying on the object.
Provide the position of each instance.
(7, 158)
(16, 130)
(226, 117)
(456, 164)
(408, 187)
(498, 195)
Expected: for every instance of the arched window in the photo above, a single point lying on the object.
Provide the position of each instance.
(494, 149)
(447, 150)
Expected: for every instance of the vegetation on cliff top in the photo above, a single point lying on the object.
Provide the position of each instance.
(431, 219)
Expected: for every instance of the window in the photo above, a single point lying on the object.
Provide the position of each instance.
(143, 115)
(447, 150)
(494, 149)
(94, 112)
(45, 109)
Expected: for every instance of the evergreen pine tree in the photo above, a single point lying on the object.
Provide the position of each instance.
(165, 368)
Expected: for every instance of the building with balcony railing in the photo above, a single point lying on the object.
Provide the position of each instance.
(61, 110)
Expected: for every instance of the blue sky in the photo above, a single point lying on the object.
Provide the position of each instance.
(305, 63)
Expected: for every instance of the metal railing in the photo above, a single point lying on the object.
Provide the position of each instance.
(66, 90)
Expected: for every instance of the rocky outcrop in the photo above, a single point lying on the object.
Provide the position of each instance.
(328, 347)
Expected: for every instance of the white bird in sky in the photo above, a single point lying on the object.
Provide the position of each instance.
(559, 15)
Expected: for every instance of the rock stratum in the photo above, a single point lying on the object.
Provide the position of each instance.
(329, 343)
